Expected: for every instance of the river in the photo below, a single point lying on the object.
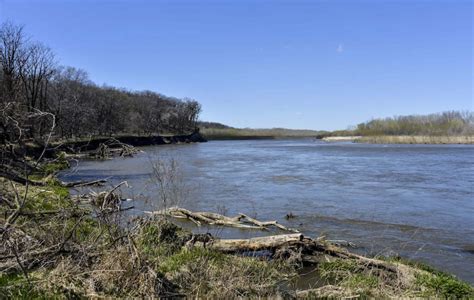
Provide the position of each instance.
(416, 201)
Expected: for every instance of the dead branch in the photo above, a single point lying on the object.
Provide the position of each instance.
(82, 183)
(114, 147)
(240, 221)
(105, 200)
(287, 246)
(254, 244)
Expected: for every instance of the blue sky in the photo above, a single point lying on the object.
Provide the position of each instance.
(295, 64)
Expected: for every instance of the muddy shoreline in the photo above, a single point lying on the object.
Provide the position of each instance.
(93, 143)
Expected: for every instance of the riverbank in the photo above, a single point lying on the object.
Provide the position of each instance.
(418, 139)
(58, 247)
(402, 139)
(69, 253)
(74, 146)
(269, 134)
(340, 138)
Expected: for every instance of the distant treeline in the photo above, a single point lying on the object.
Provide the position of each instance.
(213, 125)
(36, 91)
(218, 131)
(450, 123)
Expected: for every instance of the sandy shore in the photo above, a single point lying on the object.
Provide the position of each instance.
(401, 139)
(341, 138)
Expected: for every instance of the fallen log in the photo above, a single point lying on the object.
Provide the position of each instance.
(82, 183)
(266, 224)
(254, 244)
(295, 247)
(240, 221)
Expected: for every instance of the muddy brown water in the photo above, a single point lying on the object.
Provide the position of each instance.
(416, 201)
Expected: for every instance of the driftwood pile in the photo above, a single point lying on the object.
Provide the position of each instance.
(114, 147)
(83, 183)
(105, 200)
(295, 248)
(240, 221)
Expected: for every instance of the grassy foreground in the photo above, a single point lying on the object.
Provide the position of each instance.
(57, 248)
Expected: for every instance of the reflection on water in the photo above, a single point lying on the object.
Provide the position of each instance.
(413, 200)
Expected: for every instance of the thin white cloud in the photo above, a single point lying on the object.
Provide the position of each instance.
(340, 48)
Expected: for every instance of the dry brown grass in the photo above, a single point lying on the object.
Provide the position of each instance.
(202, 272)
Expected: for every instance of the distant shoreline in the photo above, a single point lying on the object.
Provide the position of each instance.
(449, 127)
(403, 139)
(420, 139)
(255, 134)
(93, 143)
(340, 138)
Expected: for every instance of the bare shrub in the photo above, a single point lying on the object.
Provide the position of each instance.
(168, 177)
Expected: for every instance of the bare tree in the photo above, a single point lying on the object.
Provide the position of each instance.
(30, 80)
(36, 67)
(67, 97)
(12, 41)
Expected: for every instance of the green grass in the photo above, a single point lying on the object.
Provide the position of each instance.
(49, 197)
(60, 163)
(352, 276)
(210, 274)
(155, 254)
(87, 229)
(160, 237)
(185, 257)
(15, 286)
(338, 269)
(361, 281)
(444, 285)
(435, 282)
